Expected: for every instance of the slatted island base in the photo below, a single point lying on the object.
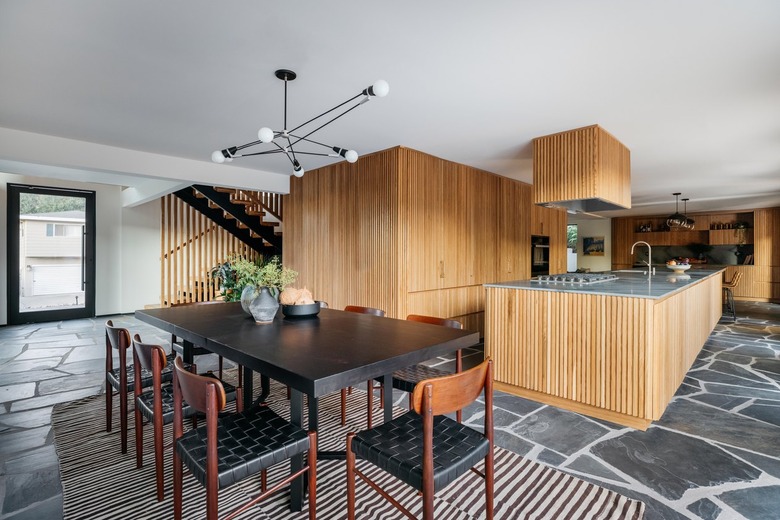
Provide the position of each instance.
(615, 350)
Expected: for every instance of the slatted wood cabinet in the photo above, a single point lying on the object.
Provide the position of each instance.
(411, 233)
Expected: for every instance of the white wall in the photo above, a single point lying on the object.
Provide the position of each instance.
(127, 248)
(594, 228)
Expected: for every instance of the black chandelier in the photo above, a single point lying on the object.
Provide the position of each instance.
(285, 140)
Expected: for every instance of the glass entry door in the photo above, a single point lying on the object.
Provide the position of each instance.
(51, 254)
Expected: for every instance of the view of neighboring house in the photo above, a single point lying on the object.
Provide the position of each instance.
(50, 260)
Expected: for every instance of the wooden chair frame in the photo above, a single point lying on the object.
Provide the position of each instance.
(190, 387)
(430, 398)
(369, 384)
(117, 338)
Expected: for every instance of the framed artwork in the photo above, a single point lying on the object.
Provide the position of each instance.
(593, 246)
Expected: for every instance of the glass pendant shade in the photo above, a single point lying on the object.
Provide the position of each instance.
(677, 219)
(689, 222)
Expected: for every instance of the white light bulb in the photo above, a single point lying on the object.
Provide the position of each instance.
(265, 134)
(351, 156)
(217, 157)
(381, 88)
(299, 171)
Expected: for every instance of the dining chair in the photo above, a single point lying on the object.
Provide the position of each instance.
(232, 447)
(407, 378)
(122, 378)
(370, 384)
(728, 294)
(156, 403)
(425, 449)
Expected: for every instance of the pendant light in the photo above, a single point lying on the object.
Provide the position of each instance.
(676, 220)
(689, 222)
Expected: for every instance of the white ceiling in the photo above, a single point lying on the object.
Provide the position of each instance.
(691, 87)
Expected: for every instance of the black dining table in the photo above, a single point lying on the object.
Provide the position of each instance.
(312, 355)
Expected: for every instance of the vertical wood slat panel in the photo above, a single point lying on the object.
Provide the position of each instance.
(191, 244)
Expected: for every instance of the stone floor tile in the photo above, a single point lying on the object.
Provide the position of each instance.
(82, 342)
(717, 388)
(704, 508)
(726, 402)
(84, 367)
(32, 375)
(512, 442)
(70, 382)
(48, 400)
(16, 392)
(48, 337)
(550, 458)
(87, 353)
(18, 441)
(590, 466)
(46, 510)
(671, 463)
(768, 414)
(516, 405)
(23, 490)
(28, 365)
(758, 503)
(27, 418)
(40, 353)
(559, 430)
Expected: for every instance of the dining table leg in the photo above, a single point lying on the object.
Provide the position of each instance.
(387, 381)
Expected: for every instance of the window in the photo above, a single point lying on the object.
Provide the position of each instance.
(63, 230)
(571, 236)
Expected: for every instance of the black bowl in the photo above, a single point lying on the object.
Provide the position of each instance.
(301, 311)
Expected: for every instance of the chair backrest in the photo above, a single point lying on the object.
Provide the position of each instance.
(146, 353)
(195, 389)
(433, 320)
(365, 310)
(454, 392)
(735, 279)
(117, 337)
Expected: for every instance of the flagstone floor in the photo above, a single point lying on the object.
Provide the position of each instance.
(715, 454)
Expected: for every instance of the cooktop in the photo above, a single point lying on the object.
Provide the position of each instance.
(575, 278)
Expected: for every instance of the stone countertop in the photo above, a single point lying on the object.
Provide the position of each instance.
(637, 285)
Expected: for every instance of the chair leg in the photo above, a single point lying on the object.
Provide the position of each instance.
(158, 456)
(139, 438)
(411, 404)
(177, 483)
(123, 418)
(489, 476)
(220, 367)
(312, 473)
(370, 410)
(109, 404)
(350, 478)
(381, 396)
(263, 480)
(343, 406)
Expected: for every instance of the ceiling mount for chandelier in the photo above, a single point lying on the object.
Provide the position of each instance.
(678, 220)
(285, 140)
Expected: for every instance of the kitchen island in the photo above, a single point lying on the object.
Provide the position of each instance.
(616, 350)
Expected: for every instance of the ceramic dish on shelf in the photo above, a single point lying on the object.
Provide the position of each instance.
(301, 311)
(679, 268)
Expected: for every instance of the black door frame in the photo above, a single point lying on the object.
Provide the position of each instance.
(88, 311)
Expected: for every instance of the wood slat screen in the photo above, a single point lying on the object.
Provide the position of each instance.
(191, 244)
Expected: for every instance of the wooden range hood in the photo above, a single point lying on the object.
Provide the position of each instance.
(583, 170)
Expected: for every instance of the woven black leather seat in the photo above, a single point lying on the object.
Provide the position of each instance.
(397, 447)
(407, 378)
(247, 443)
(122, 378)
(157, 403)
(425, 449)
(230, 448)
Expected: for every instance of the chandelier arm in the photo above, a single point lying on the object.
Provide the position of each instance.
(326, 124)
(326, 112)
(320, 154)
(299, 139)
(266, 152)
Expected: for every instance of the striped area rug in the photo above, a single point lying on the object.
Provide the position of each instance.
(100, 483)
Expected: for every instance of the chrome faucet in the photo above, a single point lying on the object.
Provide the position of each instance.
(650, 268)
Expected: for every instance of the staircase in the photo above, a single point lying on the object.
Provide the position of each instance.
(254, 217)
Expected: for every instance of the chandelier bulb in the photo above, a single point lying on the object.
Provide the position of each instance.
(351, 156)
(298, 170)
(218, 157)
(265, 134)
(379, 89)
